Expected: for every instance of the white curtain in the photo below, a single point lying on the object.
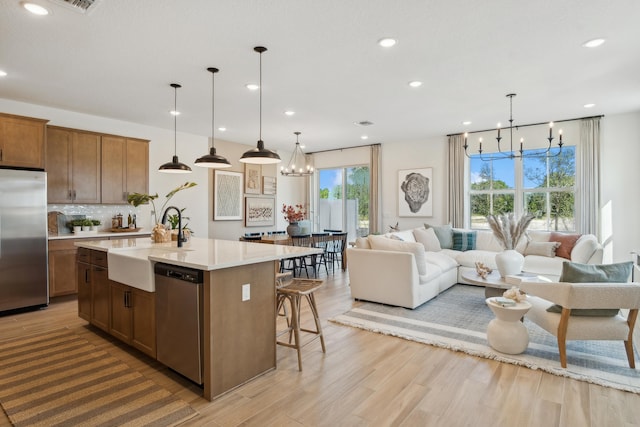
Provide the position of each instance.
(588, 177)
(375, 220)
(456, 180)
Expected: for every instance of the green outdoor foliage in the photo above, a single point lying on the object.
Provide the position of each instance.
(481, 203)
(357, 189)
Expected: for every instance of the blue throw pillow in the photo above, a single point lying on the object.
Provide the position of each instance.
(444, 235)
(463, 240)
(574, 272)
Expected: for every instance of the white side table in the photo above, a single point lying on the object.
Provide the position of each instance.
(506, 333)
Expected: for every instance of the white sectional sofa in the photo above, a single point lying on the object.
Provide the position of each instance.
(408, 268)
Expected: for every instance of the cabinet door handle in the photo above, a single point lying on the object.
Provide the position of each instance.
(1, 155)
(74, 194)
(125, 195)
(86, 276)
(70, 194)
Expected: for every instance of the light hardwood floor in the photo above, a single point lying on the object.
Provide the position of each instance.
(368, 379)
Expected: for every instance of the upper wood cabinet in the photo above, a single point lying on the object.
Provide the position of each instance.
(73, 166)
(22, 141)
(125, 168)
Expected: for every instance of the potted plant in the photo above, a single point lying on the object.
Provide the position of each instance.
(76, 225)
(174, 221)
(86, 224)
(293, 215)
(508, 230)
(95, 223)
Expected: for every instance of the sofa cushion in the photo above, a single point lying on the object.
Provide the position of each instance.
(444, 233)
(574, 272)
(584, 248)
(385, 244)
(486, 241)
(428, 238)
(444, 262)
(547, 249)
(469, 258)
(543, 265)
(463, 240)
(567, 242)
(362, 243)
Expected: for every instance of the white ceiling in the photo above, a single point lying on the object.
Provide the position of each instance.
(324, 63)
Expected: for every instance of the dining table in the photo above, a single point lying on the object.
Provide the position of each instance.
(285, 239)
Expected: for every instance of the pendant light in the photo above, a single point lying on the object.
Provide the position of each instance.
(260, 155)
(175, 166)
(212, 160)
(297, 165)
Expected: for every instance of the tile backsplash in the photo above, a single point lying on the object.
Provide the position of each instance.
(102, 212)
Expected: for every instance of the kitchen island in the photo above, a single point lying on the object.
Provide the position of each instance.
(238, 300)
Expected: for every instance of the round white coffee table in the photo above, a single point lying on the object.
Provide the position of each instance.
(494, 284)
(506, 333)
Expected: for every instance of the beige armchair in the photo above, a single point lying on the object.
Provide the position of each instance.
(572, 296)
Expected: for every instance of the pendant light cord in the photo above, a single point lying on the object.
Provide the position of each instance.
(260, 83)
(213, 111)
(175, 120)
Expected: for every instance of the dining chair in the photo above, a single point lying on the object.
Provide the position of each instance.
(320, 240)
(296, 264)
(336, 250)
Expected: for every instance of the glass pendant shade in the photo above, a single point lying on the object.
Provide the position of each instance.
(174, 166)
(260, 155)
(213, 160)
(298, 165)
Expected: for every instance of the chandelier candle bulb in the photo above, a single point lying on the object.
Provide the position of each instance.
(560, 133)
(550, 129)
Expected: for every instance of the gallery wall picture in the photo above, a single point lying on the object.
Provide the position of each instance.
(260, 211)
(252, 178)
(415, 192)
(268, 185)
(227, 195)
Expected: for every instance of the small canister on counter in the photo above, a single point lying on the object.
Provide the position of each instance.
(114, 222)
(119, 216)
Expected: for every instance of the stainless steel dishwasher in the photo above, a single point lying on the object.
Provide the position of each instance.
(179, 319)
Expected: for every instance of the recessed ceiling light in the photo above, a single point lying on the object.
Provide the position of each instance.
(415, 83)
(3, 73)
(36, 9)
(364, 137)
(593, 43)
(589, 105)
(466, 123)
(174, 113)
(222, 129)
(387, 42)
(289, 113)
(252, 86)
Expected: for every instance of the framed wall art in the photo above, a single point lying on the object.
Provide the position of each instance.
(259, 211)
(269, 185)
(252, 178)
(227, 195)
(414, 192)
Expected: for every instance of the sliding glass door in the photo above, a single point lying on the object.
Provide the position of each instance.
(343, 200)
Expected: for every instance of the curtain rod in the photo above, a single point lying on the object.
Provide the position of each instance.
(527, 125)
(345, 148)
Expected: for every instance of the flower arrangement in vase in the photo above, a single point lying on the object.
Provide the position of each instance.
(508, 230)
(293, 215)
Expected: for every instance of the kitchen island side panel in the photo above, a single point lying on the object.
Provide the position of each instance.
(239, 336)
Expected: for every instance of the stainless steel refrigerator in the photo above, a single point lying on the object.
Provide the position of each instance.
(23, 239)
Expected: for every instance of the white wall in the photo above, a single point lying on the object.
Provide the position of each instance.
(620, 136)
(432, 153)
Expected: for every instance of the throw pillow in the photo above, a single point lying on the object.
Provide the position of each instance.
(385, 244)
(428, 238)
(567, 242)
(574, 272)
(463, 240)
(547, 249)
(444, 234)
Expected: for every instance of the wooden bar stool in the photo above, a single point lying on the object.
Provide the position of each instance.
(294, 291)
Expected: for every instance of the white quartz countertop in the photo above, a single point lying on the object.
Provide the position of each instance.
(99, 235)
(199, 253)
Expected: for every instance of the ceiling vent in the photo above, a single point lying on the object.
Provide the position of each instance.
(81, 6)
(363, 123)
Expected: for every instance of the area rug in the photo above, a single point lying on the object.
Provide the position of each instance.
(457, 319)
(58, 378)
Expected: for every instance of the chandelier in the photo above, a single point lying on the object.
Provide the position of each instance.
(511, 153)
(297, 165)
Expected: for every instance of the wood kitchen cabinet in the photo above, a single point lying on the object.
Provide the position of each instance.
(125, 168)
(133, 317)
(83, 272)
(73, 166)
(100, 305)
(62, 267)
(22, 141)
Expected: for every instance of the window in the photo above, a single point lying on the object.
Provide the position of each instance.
(350, 213)
(543, 186)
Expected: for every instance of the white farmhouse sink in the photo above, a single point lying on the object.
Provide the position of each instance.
(132, 266)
